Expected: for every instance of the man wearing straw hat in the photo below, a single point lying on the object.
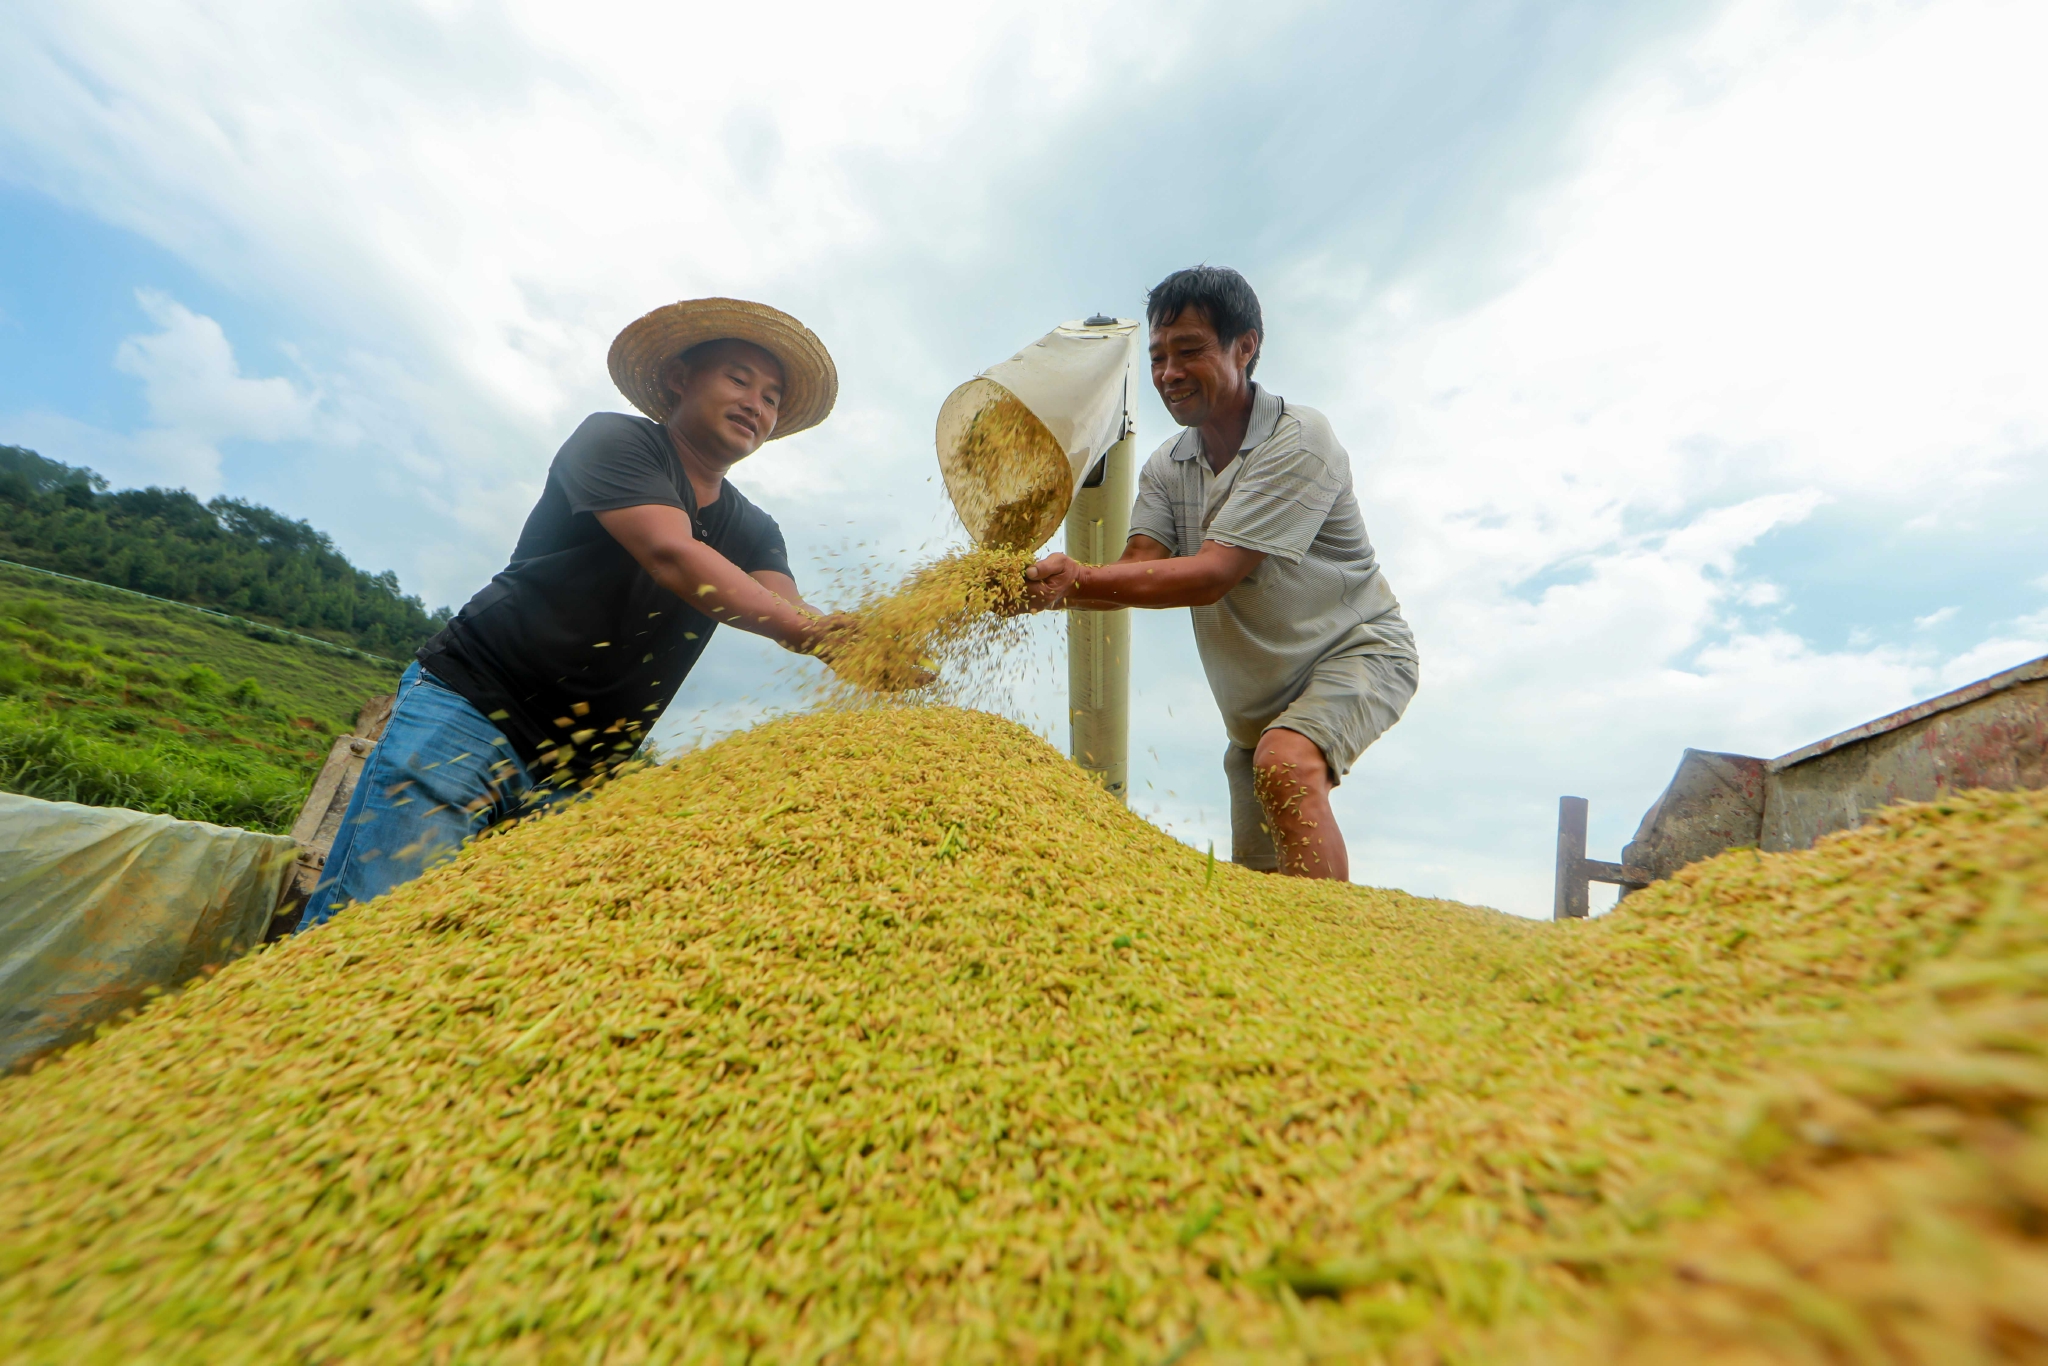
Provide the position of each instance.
(637, 550)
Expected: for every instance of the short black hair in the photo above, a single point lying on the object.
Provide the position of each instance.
(1225, 298)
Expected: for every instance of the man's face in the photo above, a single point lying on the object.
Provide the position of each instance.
(1195, 374)
(727, 399)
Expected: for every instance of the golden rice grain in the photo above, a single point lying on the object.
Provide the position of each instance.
(950, 612)
(1008, 478)
(886, 1035)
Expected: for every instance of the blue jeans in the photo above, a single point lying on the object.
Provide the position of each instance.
(441, 774)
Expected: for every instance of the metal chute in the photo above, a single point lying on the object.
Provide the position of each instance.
(1074, 384)
(1042, 438)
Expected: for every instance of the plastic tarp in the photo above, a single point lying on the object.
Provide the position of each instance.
(98, 906)
(1076, 380)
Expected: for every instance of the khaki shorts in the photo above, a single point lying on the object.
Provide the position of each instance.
(1348, 704)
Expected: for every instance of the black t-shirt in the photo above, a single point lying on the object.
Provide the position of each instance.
(573, 650)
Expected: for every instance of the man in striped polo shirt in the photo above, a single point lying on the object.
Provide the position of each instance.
(1248, 517)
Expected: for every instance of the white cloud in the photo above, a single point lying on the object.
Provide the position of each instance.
(1798, 266)
(197, 399)
(486, 193)
(1935, 618)
(2022, 639)
(192, 383)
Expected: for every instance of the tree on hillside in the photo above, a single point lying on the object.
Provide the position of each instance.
(24, 474)
(228, 554)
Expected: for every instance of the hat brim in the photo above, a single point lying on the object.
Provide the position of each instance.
(810, 382)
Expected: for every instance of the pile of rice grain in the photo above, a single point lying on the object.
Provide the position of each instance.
(1890, 1202)
(886, 1035)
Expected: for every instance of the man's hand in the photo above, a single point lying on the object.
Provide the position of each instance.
(826, 636)
(1146, 576)
(836, 639)
(1049, 581)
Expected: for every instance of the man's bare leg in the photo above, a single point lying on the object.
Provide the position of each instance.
(1293, 782)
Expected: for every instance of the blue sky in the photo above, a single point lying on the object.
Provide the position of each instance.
(1688, 354)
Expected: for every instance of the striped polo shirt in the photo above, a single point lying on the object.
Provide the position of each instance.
(1319, 593)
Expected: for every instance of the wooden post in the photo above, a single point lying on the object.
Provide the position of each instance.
(1572, 901)
(320, 818)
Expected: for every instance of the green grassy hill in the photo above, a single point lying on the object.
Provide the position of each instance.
(226, 553)
(115, 701)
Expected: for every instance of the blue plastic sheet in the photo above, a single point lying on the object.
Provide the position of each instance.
(100, 908)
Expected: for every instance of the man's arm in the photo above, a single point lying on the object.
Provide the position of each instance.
(1146, 576)
(784, 587)
(660, 538)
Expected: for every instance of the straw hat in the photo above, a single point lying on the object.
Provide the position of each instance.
(810, 382)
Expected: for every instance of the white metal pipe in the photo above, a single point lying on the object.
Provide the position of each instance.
(1099, 643)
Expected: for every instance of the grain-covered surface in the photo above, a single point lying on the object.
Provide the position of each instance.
(1888, 1197)
(885, 1035)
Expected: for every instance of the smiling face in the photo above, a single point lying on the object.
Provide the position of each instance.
(727, 395)
(1198, 376)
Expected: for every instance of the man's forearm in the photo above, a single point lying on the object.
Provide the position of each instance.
(784, 587)
(1181, 581)
(724, 592)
